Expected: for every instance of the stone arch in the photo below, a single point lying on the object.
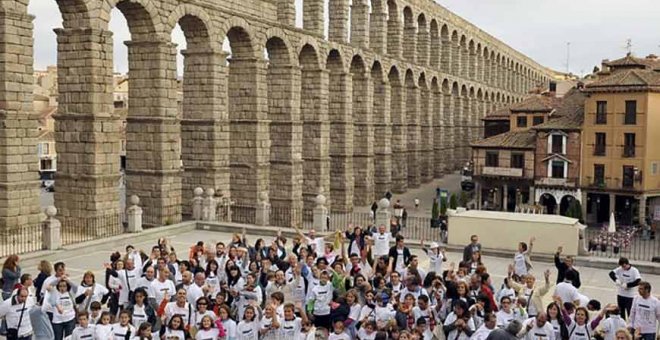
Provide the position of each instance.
(382, 130)
(472, 60)
(399, 126)
(413, 120)
(435, 46)
(75, 13)
(549, 201)
(455, 53)
(276, 35)
(464, 57)
(143, 20)
(195, 23)
(409, 35)
(241, 37)
(363, 132)
(394, 29)
(422, 40)
(426, 160)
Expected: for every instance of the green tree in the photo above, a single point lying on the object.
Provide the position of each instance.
(453, 201)
(435, 210)
(463, 199)
(574, 210)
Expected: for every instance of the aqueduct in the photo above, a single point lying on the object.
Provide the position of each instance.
(388, 99)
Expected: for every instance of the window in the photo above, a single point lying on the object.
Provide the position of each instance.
(601, 112)
(46, 164)
(492, 159)
(599, 174)
(537, 121)
(599, 146)
(631, 112)
(628, 145)
(557, 169)
(654, 168)
(521, 121)
(557, 144)
(628, 176)
(518, 160)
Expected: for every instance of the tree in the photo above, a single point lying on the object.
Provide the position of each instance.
(443, 206)
(574, 210)
(463, 199)
(435, 210)
(453, 201)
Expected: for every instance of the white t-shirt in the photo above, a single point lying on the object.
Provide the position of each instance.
(80, 333)
(567, 292)
(230, 328)
(318, 245)
(583, 332)
(139, 316)
(173, 334)
(119, 332)
(290, 328)
(381, 244)
(454, 335)
(322, 296)
(612, 324)
(103, 331)
(645, 314)
(627, 276)
(65, 301)
(159, 289)
(340, 336)
(504, 318)
(193, 292)
(435, 262)
(366, 336)
(519, 266)
(203, 334)
(481, 333)
(145, 284)
(547, 332)
(247, 330)
(171, 309)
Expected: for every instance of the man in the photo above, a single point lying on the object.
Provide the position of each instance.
(474, 246)
(537, 328)
(566, 291)
(381, 241)
(533, 294)
(626, 277)
(197, 288)
(399, 257)
(321, 295)
(414, 267)
(179, 306)
(509, 333)
(564, 266)
(490, 323)
(412, 287)
(163, 287)
(645, 312)
(16, 311)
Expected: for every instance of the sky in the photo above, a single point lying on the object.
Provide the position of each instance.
(540, 29)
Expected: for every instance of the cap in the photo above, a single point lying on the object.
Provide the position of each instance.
(434, 245)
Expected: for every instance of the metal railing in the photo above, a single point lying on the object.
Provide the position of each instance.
(77, 230)
(19, 240)
(630, 242)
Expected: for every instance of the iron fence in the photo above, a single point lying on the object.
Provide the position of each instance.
(630, 242)
(162, 216)
(20, 240)
(241, 214)
(77, 230)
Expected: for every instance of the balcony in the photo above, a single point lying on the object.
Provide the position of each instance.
(613, 183)
(628, 151)
(561, 182)
(599, 150)
(498, 171)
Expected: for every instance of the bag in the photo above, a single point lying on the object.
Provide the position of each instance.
(3, 327)
(12, 334)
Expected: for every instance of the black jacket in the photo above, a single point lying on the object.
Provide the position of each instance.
(562, 268)
(467, 252)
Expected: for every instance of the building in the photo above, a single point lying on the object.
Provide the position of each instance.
(620, 162)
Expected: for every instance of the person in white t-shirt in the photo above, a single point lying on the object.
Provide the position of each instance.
(521, 262)
(436, 256)
(537, 328)
(626, 277)
(645, 312)
(613, 323)
(162, 286)
(565, 290)
(322, 297)
(381, 241)
(338, 331)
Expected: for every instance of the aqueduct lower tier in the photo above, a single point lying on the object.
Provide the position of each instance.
(390, 99)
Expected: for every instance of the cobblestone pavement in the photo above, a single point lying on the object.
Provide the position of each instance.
(595, 282)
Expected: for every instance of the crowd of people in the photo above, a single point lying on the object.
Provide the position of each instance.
(360, 283)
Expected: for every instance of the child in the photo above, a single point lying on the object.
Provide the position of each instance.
(103, 329)
(354, 313)
(269, 325)
(321, 296)
(175, 329)
(367, 331)
(248, 328)
(143, 332)
(228, 323)
(339, 333)
(206, 330)
(84, 330)
(291, 325)
(94, 317)
(123, 329)
(436, 256)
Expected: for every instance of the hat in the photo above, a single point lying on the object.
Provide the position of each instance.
(434, 245)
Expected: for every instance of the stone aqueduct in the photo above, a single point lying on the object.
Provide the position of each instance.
(390, 99)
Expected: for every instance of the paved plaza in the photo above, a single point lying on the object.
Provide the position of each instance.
(595, 282)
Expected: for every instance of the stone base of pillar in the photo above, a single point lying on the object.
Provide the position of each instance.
(262, 217)
(134, 216)
(320, 218)
(160, 192)
(52, 230)
(383, 214)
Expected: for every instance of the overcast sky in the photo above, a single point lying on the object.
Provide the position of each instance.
(541, 29)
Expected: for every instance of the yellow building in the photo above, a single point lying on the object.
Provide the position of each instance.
(620, 142)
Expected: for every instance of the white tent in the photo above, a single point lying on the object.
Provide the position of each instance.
(612, 227)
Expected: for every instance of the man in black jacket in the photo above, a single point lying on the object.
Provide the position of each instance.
(564, 266)
(471, 248)
(399, 256)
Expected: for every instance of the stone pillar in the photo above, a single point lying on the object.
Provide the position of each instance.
(197, 204)
(642, 210)
(584, 206)
(466, 128)
(341, 141)
(86, 128)
(473, 66)
(465, 62)
(153, 157)
(456, 55)
(338, 28)
(532, 194)
(477, 189)
(209, 206)
(382, 136)
(316, 135)
(505, 197)
(378, 27)
(205, 123)
(394, 35)
(320, 216)
(263, 211)
(410, 42)
(383, 214)
(439, 135)
(360, 24)
(134, 216)
(286, 12)
(449, 142)
(286, 131)
(426, 136)
(413, 119)
(446, 56)
(423, 45)
(313, 18)
(52, 230)
(399, 140)
(249, 129)
(19, 166)
(363, 137)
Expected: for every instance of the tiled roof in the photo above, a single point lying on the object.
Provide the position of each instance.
(629, 61)
(633, 80)
(509, 140)
(502, 113)
(536, 103)
(569, 115)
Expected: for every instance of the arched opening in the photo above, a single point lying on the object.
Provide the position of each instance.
(399, 146)
(316, 128)
(434, 56)
(465, 114)
(394, 30)
(382, 132)
(438, 132)
(286, 169)
(472, 60)
(341, 130)
(363, 133)
(445, 50)
(455, 108)
(426, 131)
(422, 40)
(549, 202)
(565, 203)
(414, 129)
(464, 57)
(455, 65)
(409, 36)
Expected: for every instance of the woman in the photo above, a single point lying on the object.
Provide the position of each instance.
(356, 241)
(459, 325)
(579, 328)
(45, 271)
(212, 279)
(474, 262)
(11, 272)
(201, 311)
(64, 313)
(90, 291)
(141, 311)
(557, 321)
